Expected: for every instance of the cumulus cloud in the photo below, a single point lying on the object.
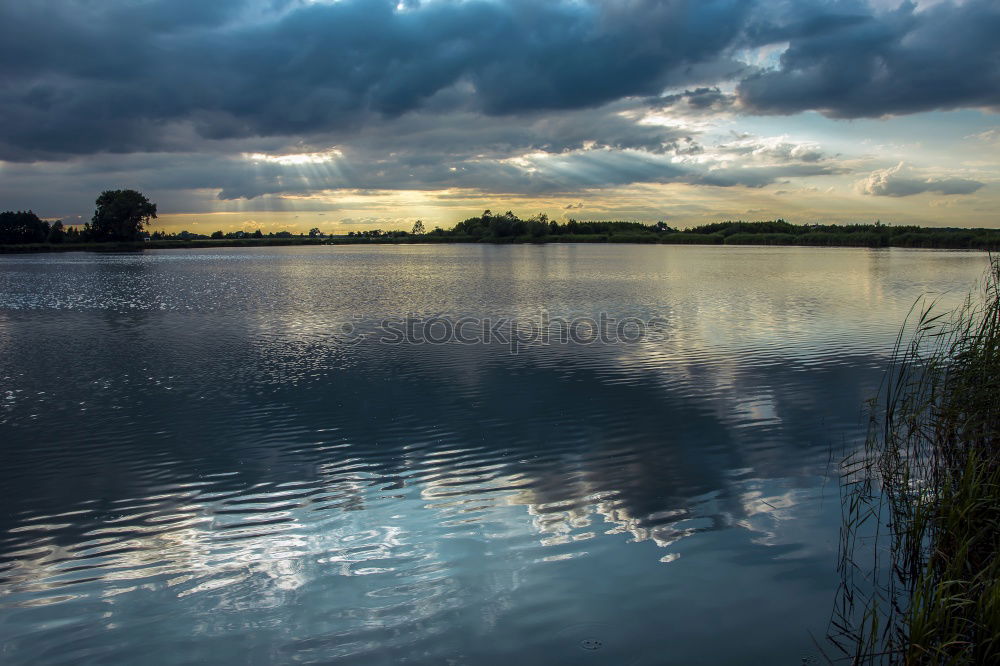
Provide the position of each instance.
(900, 181)
(771, 149)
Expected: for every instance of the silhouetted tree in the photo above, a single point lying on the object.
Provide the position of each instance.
(121, 215)
(418, 228)
(22, 227)
(57, 233)
(538, 226)
(217, 234)
(314, 232)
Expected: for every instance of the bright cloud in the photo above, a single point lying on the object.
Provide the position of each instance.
(900, 181)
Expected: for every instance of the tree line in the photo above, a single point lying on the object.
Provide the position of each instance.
(119, 216)
(508, 227)
(122, 215)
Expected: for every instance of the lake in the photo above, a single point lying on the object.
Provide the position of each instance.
(458, 454)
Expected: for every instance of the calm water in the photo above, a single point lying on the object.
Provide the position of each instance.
(219, 457)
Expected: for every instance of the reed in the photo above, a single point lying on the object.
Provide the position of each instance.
(920, 542)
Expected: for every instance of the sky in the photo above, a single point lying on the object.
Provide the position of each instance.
(362, 114)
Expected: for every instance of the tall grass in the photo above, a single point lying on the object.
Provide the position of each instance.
(920, 545)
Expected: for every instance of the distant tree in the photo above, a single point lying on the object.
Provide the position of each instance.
(217, 234)
(418, 228)
(22, 227)
(258, 234)
(314, 232)
(538, 226)
(121, 215)
(57, 232)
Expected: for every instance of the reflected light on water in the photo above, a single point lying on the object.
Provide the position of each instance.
(199, 467)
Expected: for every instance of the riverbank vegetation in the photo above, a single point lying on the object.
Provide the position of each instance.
(123, 215)
(508, 228)
(920, 555)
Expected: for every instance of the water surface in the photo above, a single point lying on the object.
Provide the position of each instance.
(214, 456)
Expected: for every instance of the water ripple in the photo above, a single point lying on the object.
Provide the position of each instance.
(198, 466)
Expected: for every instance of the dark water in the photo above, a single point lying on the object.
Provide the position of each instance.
(217, 457)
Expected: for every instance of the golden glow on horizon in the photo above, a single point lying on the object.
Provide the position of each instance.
(821, 199)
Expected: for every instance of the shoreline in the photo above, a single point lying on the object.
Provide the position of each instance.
(688, 239)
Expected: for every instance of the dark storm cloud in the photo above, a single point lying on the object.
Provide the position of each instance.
(84, 77)
(80, 77)
(847, 62)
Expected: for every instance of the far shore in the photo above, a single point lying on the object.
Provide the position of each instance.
(23, 231)
(667, 239)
